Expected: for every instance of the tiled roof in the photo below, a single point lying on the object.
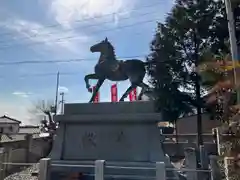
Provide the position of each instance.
(16, 137)
(11, 138)
(6, 119)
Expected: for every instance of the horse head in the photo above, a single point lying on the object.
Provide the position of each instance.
(100, 47)
(106, 49)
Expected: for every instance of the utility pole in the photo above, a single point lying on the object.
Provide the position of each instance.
(56, 99)
(198, 94)
(199, 112)
(233, 41)
(62, 102)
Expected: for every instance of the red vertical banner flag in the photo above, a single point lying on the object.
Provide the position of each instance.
(114, 93)
(97, 97)
(133, 95)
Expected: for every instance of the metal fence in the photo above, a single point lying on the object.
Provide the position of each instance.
(99, 171)
(102, 170)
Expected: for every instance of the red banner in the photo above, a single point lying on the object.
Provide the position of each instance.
(97, 97)
(133, 95)
(114, 93)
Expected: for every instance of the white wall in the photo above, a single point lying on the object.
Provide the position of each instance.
(7, 130)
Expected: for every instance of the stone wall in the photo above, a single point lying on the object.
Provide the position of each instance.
(26, 151)
(188, 125)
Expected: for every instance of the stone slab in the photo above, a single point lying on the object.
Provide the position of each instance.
(110, 118)
(120, 142)
(109, 108)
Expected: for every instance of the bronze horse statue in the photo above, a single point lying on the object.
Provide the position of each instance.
(108, 67)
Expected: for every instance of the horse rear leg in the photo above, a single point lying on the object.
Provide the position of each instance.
(144, 89)
(127, 92)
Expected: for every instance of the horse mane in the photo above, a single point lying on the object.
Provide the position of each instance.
(110, 46)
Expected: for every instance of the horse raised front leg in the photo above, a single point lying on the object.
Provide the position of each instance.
(127, 92)
(99, 84)
(87, 78)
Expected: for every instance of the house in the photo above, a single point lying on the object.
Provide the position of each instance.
(11, 131)
(9, 125)
(29, 129)
(188, 125)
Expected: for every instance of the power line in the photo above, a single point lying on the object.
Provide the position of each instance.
(10, 62)
(7, 63)
(3, 43)
(54, 74)
(60, 61)
(92, 18)
(73, 29)
(42, 75)
(72, 37)
(38, 61)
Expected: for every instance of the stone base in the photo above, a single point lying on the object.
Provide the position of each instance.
(125, 131)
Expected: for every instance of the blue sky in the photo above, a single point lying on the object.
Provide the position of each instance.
(45, 30)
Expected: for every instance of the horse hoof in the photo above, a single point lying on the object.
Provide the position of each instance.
(90, 90)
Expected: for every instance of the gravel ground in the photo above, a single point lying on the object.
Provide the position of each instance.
(24, 175)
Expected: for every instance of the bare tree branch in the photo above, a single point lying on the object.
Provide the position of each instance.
(47, 108)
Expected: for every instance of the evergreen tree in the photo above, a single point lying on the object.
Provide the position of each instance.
(180, 43)
(167, 74)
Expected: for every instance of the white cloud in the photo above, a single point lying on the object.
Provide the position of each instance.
(39, 34)
(22, 94)
(17, 110)
(63, 89)
(66, 12)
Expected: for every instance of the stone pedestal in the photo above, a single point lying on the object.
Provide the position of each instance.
(125, 135)
(125, 131)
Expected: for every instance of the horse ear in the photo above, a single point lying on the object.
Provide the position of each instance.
(106, 39)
